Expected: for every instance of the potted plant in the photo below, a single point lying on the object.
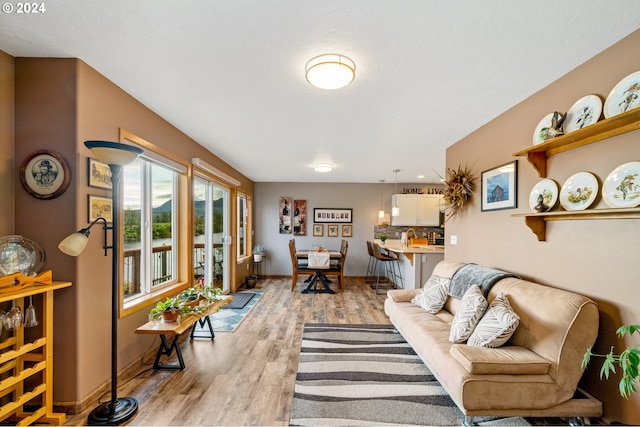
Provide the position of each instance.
(192, 300)
(169, 310)
(628, 360)
(258, 253)
(383, 238)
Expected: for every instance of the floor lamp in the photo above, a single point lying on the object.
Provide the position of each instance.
(116, 155)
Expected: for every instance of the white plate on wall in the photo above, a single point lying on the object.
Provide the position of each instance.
(586, 111)
(579, 191)
(624, 96)
(621, 189)
(549, 191)
(544, 123)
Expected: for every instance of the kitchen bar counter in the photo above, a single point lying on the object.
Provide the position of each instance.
(416, 261)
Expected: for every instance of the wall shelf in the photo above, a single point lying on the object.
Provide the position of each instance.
(606, 128)
(537, 222)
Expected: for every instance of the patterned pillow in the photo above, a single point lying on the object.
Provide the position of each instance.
(433, 295)
(472, 307)
(497, 325)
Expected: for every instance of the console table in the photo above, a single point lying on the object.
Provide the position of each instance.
(175, 329)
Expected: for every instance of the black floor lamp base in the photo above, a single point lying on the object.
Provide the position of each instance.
(113, 413)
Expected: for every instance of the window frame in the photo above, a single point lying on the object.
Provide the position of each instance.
(182, 232)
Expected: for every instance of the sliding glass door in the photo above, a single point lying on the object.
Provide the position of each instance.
(211, 233)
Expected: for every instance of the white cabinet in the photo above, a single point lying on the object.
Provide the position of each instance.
(417, 209)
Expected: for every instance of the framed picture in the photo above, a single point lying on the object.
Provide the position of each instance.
(99, 174)
(45, 174)
(299, 217)
(332, 215)
(347, 230)
(284, 215)
(499, 187)
(332, 230)
(318, 230)
(100, 207)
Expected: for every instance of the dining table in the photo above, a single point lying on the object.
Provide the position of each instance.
(318, 262)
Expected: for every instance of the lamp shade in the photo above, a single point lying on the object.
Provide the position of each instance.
(113, 153)
(74, 244)
(330, 71)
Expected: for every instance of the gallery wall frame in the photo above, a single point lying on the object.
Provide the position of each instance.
(100, 207)
(328, 215)
(499, 187)
(347, 230)
(332, 230)
(318, 230)
(99, 174)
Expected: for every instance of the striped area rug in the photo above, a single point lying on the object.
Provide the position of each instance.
(365, 375)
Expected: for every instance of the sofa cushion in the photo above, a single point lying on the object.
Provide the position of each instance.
(472, 307)
(497, 324)
(510, 360)
(433, 295)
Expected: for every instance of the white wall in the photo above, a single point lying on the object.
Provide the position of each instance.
(364, 199)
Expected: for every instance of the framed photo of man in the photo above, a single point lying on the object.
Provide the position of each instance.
(45, 174)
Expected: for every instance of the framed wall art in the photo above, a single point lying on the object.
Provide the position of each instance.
(318, 230)
(499, 187)
(332, 215)
(332, 230)
(284, 215)
(45, 174)
(347, 230)
(100, 207)
(99, 174)
(299, 218)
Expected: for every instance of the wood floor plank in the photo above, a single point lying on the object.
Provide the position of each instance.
(245, 377)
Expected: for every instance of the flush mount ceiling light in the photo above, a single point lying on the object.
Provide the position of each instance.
(323, 167)
(330, 71)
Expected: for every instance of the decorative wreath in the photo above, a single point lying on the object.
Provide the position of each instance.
(458, 190)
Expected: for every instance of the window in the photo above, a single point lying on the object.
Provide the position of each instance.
(150, 255)
(156, 261)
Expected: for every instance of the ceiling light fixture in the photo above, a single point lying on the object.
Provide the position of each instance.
(395, 210)
(381, 211)
(323, 167)
(330, 71)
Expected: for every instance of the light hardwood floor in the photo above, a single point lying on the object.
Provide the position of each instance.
(245, 377)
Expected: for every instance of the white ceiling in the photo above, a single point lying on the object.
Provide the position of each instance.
(230, 73)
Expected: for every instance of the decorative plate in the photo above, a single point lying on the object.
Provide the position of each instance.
(624, 96)
(586, 111)
(621, 189)
(544, 123)
(546, 188)
(579, 191)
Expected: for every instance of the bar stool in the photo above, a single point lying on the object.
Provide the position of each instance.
(391, 266)
(371, 266)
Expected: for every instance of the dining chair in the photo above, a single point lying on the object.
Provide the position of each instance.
(296, 268)
(338, 269)
(371, 266)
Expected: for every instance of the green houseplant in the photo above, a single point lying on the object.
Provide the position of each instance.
(191, 300)
(258, 252)
(628, 360)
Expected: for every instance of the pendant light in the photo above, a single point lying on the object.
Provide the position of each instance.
(381, 211)
(395, 211)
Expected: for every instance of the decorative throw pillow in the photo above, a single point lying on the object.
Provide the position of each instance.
(433, 295)
(497, 325)
(470, 310)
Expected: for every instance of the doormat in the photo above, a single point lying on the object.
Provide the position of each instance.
(227, 320)
(240, 299)
(369, 375)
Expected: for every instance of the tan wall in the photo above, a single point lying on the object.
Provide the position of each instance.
(60, 103)
(595, 258)
(7, 79)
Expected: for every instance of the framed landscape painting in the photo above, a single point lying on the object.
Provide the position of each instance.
(499, 187)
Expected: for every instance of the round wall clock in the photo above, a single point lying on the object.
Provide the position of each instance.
(45, 174)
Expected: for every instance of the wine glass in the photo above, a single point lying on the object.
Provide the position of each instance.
(14, 317)
(30, 318)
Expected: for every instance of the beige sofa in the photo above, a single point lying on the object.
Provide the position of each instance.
(535, 374)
